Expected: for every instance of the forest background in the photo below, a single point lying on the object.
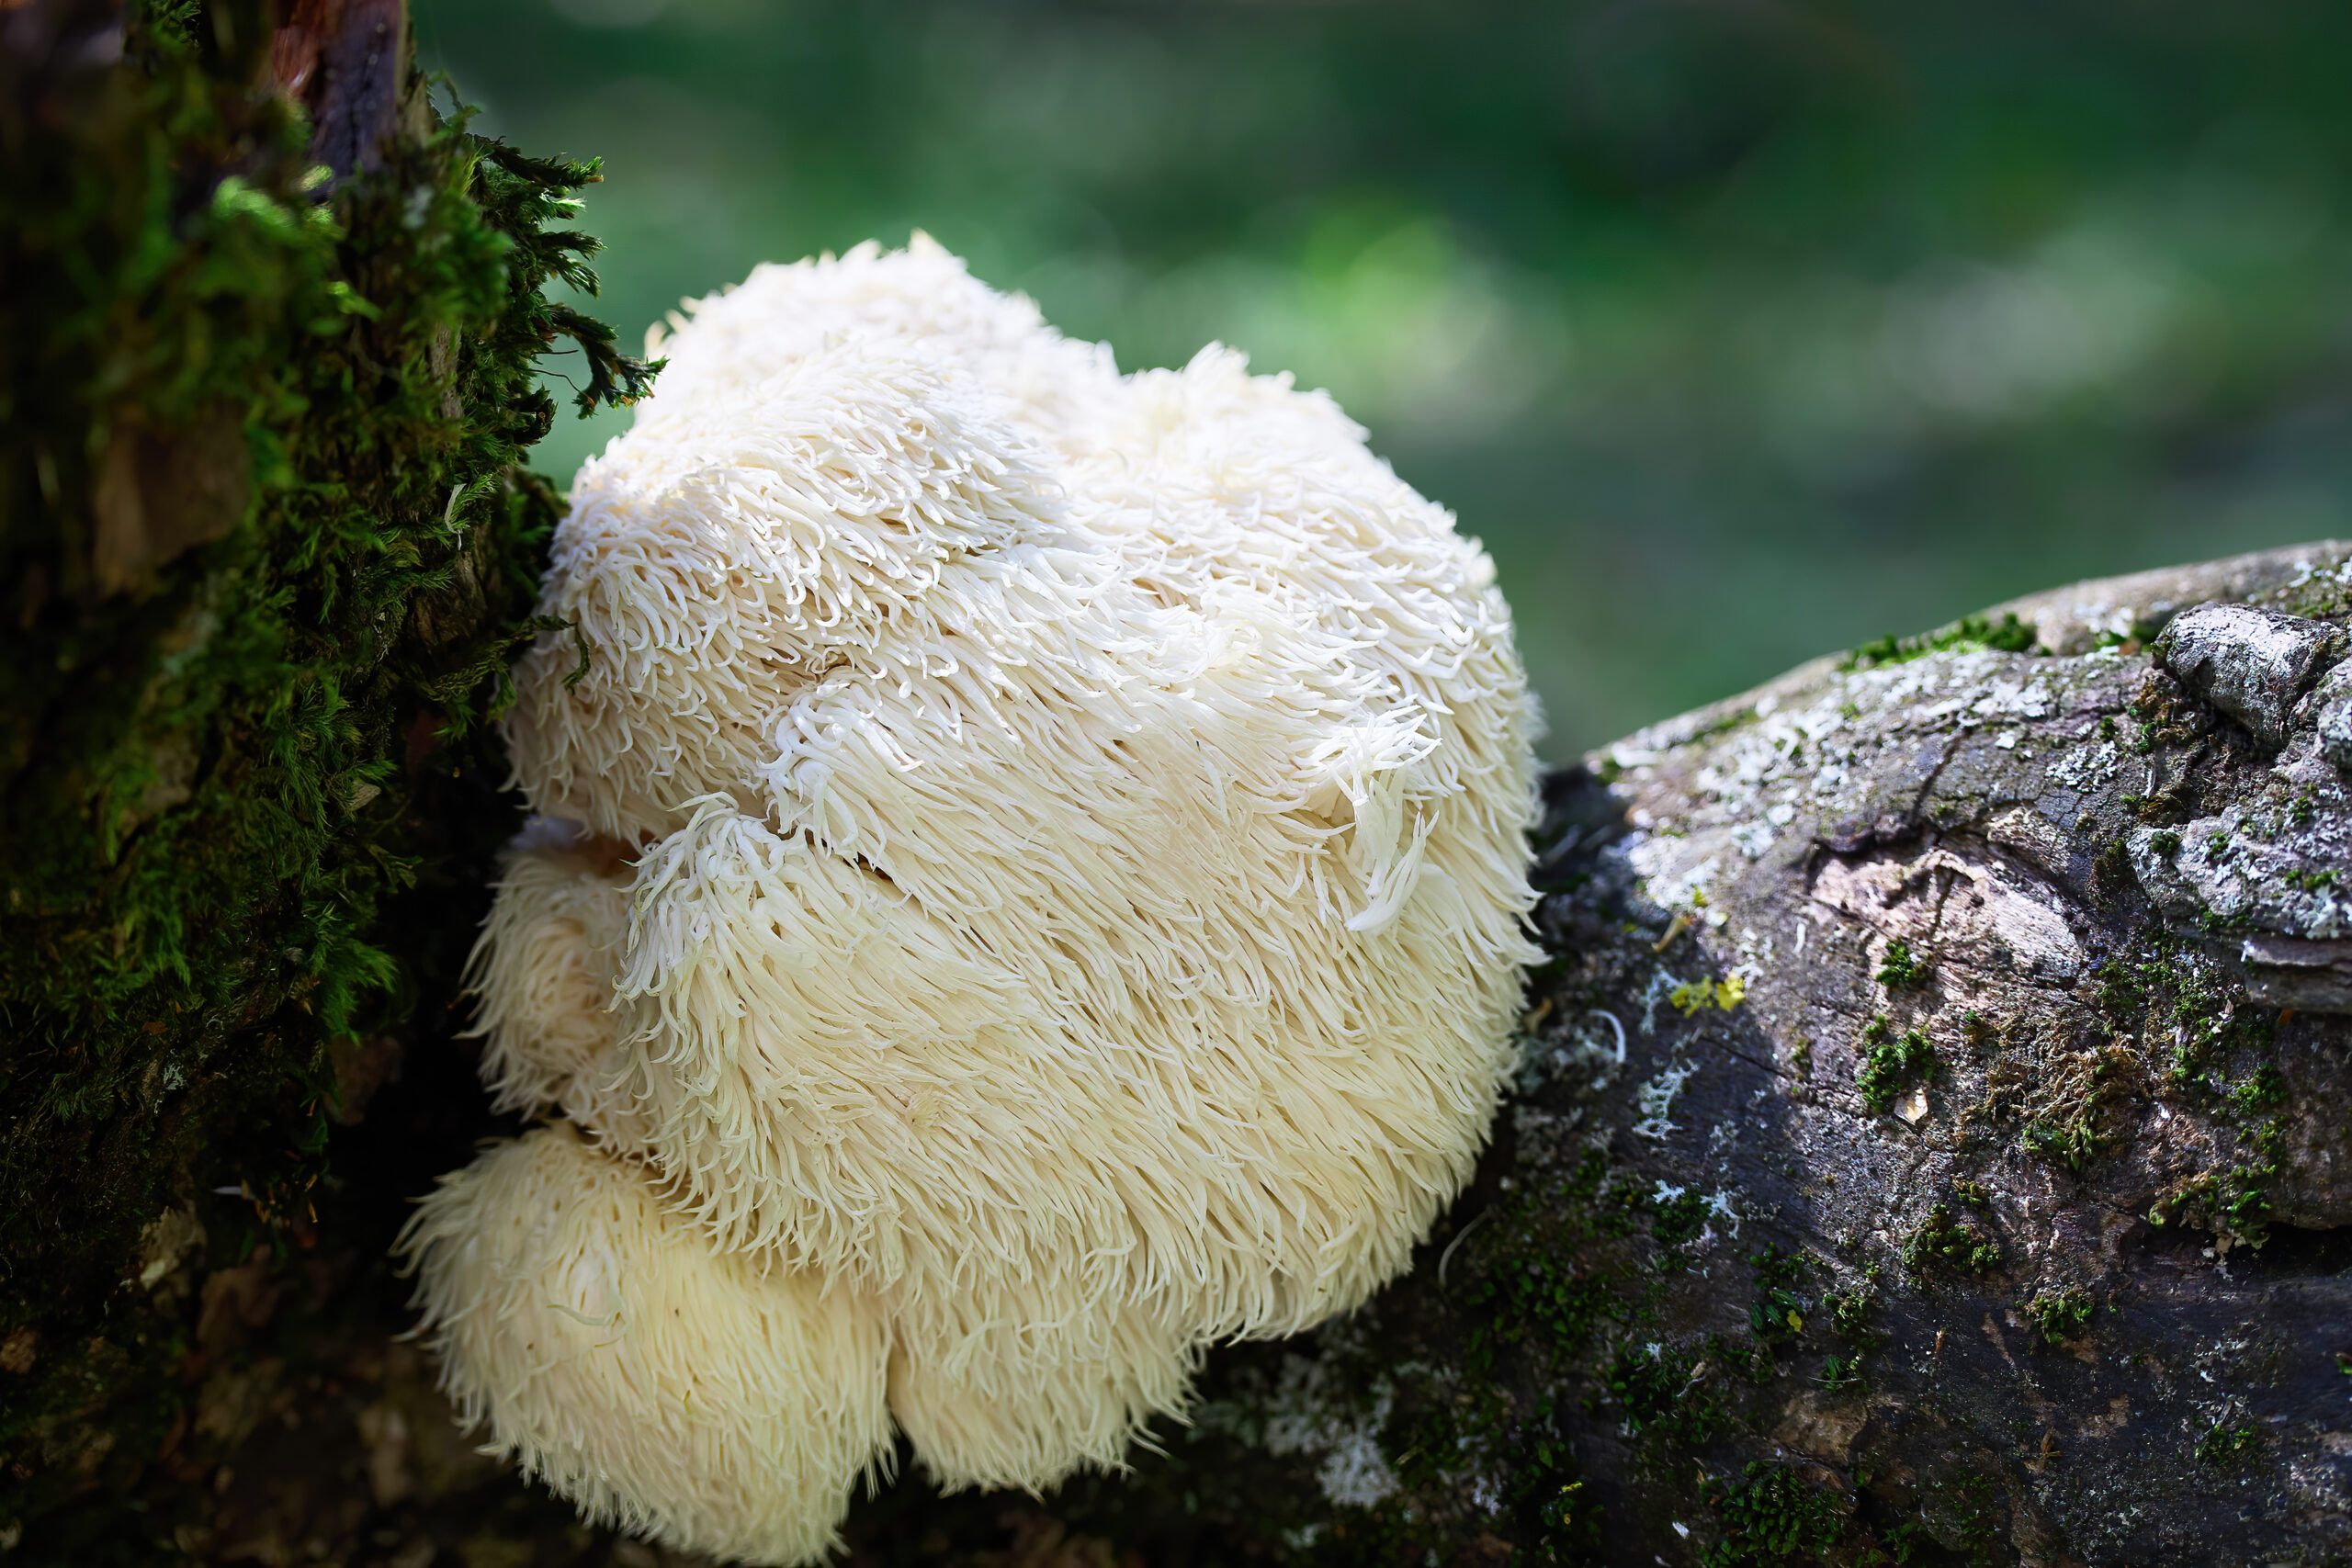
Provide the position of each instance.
(1740, 332)
(1737, 331)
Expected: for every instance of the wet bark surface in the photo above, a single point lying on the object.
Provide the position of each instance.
(1930, 1146)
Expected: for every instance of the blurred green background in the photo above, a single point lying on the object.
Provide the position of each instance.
(1738, 331)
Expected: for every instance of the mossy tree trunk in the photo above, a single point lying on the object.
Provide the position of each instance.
(267, 546)
(1931, 1144)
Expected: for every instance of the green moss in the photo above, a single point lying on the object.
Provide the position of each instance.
(1849, 1314)
(1899, 1546)
(1678, 1222)
(1971, 1513)
(1597, 1205)
(1750, 1361)
(2112, 864)
(1551, 1280)
(1556, 1514)
(1658, 1396)
(1902, 970)
(1424, 1439)
(1553, 1299)
(2235, 1203)
(1888, 1061)
(268, 549)
(2226, 1443)
(1770, 1515)
(1842, 1374)
(1569, 1522)
(2008, 635)
(2068, 1134)
(1942, 1242)
(2264, 1091)
(1777, 1313)
(1565, 1277)
(2061, 1315)
(2167, 992)
(2122, 988)
(1777, 1267)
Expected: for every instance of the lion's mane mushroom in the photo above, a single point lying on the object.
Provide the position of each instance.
(1038, 889)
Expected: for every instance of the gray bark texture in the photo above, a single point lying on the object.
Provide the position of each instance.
(1931, 1146)
(1932, 1143)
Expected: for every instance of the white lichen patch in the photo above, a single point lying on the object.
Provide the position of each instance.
(2004, 698)
(2090, 766)
(1797, 757)
(1720, 1207)
(1589, 1055)
(1657, 993)
(2248, 873)
(2311, 572)
(1676, 873)
(1655, 1098)
(1304, 1418)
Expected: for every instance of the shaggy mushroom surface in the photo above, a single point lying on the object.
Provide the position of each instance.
(1029, 883)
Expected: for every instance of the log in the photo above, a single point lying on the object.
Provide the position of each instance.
(1930, 1144)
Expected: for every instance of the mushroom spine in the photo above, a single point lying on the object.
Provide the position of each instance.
(1030, 883)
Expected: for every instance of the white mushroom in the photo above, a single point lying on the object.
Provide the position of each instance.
(544, 965)
(696, 1394)
(1077, 828)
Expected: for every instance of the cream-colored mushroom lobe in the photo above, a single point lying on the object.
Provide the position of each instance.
(1035, 862)
(657, 1381)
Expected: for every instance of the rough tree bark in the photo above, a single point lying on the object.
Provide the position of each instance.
(1931, 1142)
(268, 333)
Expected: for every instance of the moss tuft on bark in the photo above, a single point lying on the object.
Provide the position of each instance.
(267, 548)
